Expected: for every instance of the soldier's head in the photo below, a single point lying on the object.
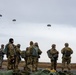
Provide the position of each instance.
(53, 46)
(2, 45)
(31, 42)
(36, 44)
(66, 44)
(11, 40)
(18, 45)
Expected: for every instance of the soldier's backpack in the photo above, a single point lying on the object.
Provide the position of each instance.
(35, 51)
(67, 52)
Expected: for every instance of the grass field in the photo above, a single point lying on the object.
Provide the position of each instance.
(42, 64)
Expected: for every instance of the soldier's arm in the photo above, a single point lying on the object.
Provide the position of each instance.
(48, 53)
(20, 51)
(62, 51)
(57, 52)
(39, 51)
(71, 51)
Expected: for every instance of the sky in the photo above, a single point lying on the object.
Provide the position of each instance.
(32, 17)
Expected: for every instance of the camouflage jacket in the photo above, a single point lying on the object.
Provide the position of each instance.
(10, 49)
(53, 54)
(67, 51)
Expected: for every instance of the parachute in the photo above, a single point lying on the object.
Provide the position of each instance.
(0, 15)
(48, 25)
(14, 20)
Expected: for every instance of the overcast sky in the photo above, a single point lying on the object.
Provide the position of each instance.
(32, 17)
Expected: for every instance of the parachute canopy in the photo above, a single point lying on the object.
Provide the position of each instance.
(0, 15)
(48, 25)
(14, 20)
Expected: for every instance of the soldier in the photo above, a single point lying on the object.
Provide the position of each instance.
(10, 52)
(53, 55)
(18, 58)
(28, 58)
(32, 55)
(66, 56)
(1, 55)
(36, 55)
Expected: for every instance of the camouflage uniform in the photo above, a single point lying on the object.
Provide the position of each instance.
(35, 58)
(66, 58)
(53, 55)
(1, 55)
(28, 58)
(10, 52)
(18, 58)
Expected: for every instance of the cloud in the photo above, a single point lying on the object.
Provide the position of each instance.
(32, 17)
(3, 35)
(40, 11)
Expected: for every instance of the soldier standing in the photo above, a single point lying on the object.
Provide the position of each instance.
(66, 56)
(10, 52)
(1, 55)
(28, 58)
(35, 56)
(18, 58)
(53, 55)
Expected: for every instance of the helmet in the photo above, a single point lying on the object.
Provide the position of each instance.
(66, 44)
(18, 45)
(31, 42)
(2, 45)
(53, 45)
(36, 43)
(11, 40)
